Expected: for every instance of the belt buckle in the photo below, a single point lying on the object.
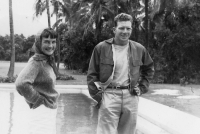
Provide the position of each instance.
(117, 87)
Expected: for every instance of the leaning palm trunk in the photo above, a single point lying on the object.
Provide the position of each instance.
(12, 61)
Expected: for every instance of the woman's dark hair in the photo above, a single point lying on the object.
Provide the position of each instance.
(48, 32)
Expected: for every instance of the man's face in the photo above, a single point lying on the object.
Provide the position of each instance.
(48, 45)
(123, 31)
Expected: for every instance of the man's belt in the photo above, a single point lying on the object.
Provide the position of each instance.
(119, 87)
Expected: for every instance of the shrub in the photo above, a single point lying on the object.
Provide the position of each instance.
(8, 79)
(22, 57)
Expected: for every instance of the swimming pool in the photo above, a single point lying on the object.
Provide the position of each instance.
(75, 115)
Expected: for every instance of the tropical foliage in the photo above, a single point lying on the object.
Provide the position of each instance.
(172, 28)
(22, 47)
(177, 41)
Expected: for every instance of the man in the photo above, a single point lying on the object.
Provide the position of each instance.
(119, 71)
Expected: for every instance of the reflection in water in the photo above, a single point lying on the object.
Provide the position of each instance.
(76, 115)
(11, 112)
(5, 112)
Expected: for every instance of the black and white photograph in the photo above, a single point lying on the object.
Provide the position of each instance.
(100, 66)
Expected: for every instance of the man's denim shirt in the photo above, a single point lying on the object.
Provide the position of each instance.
(141, 68)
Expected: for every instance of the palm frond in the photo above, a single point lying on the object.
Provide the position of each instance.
(91, 21)
(56, 6)
(40, 6)
(66, 10)
(57, 23)
(75, 7)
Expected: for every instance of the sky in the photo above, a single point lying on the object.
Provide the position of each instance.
(23, 18)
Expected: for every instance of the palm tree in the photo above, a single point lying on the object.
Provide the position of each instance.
(40, 6)
(48, 13)
(61, 10)
(100, 12)
(69, 10)
(12, 42)
(158, 9)
(146, 24)
(56, 5)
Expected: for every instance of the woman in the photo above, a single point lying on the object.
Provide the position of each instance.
(36, 83)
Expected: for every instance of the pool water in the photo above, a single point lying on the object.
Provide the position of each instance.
(76, 114)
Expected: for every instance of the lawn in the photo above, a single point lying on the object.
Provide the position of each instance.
(80, 79)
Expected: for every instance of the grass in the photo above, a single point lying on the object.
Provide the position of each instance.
(80, 79)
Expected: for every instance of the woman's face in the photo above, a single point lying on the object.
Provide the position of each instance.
(48, 45)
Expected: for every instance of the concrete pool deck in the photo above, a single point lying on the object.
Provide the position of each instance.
(154, 118)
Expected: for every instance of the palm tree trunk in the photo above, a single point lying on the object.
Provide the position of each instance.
(58, 45)
(12, 42)
(146, 24)
(48, 14)
(115, 8)
(136, 31)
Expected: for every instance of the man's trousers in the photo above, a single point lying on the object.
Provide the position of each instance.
(118, 112)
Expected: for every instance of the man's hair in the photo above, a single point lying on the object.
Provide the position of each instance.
(123, 17)
(48, 32)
